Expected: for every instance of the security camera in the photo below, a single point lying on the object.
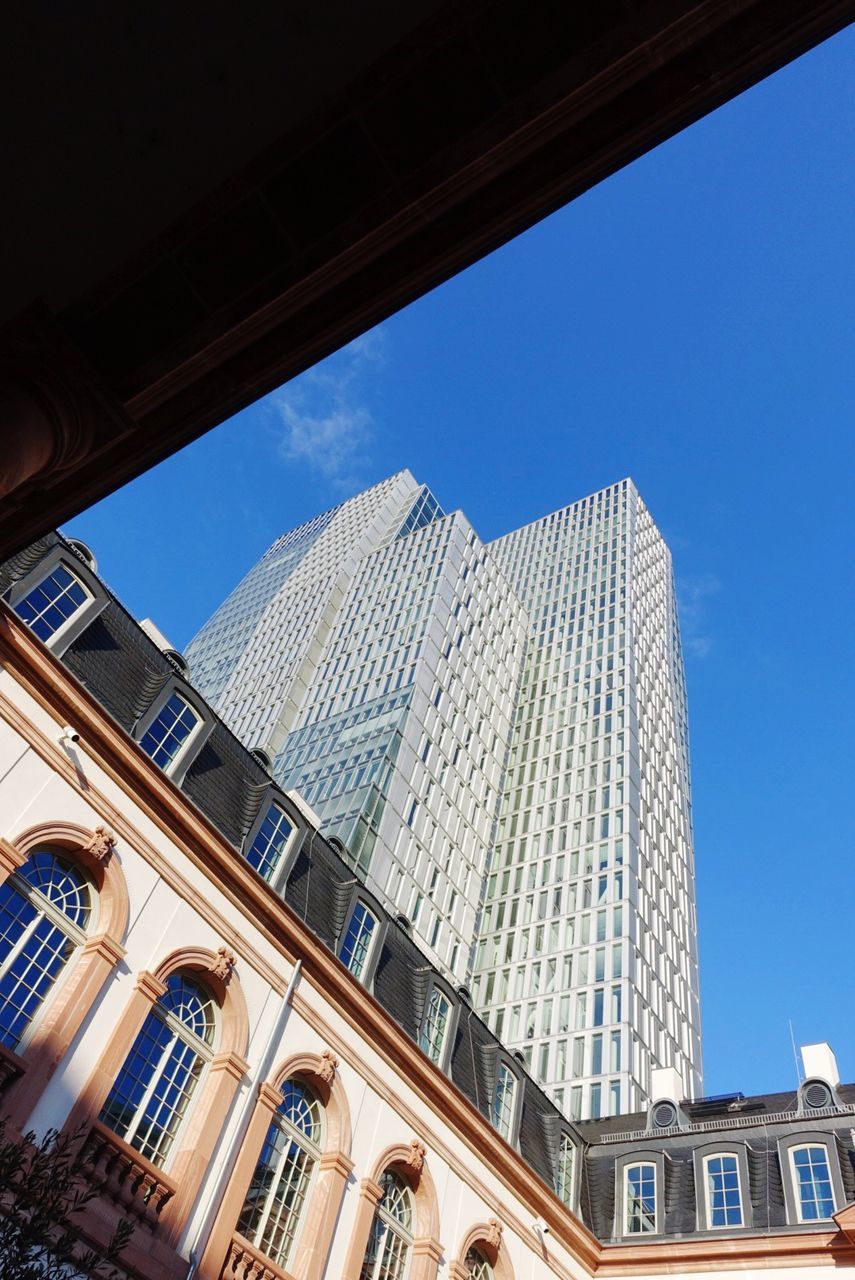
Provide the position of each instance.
(69, 735)
(540, 1227)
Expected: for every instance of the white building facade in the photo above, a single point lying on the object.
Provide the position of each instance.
(587, 959)
(498, 735)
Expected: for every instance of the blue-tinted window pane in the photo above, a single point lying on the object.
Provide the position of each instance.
(47, 606)
(270, 842)
(169, 731)
(724, 1199)
(813, 1183)
(354, 949)
(35, 941)
(156, 1082)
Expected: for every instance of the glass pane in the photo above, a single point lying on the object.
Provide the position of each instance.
(47, 606)
(269, 843)
(169, 731)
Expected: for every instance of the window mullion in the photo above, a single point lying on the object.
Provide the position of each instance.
(274, 1183)
(27, 933)
(139, 1115)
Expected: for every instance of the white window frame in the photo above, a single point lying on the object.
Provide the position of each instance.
(73, 932)
(272, 799)
(722, 1226)
(179, 1032)
(366, 973)
(314, 1150)
(84, 614)
(787, 1149)
(504, 1069)
(569, 1197)
(437, 989)
(701, 1156)
(654, 1159)
(195, 740)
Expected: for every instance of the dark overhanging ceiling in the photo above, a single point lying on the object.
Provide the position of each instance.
(207, 201)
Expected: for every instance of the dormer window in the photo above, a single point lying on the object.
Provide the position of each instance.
(813, 1187)
(639, 1199)
(49, 605)
(357, 943)
(270, 841)
(436, 1025)
(169, 733)
(503, 1113)
(812, 1179)
(723, 1183)
(722, 1190)
(566, 1171)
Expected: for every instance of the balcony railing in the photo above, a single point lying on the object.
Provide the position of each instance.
(245, 1262)
(121, 1175)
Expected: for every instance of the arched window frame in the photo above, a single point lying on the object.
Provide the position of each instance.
(392, 1229)
(279, 872)
(180, 1059)
(189, 749)
(314, 1234)
(438, 988)
(787, 1148)
(166, 1197)
(409, 1161)
(487, 1239)
(507, 1069)
(26, 1073)
(656, 1160)
(83, 616)
(701, 1156)
(360, 898)
(567, 1194)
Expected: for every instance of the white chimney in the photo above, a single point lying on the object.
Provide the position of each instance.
(666, 1082)
(820, 1062)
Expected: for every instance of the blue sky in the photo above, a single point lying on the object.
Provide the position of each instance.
(689, 322)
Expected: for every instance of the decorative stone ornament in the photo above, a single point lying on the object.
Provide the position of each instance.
(494, 1233)
(327, 1066)
(100, 844)
(222, 964)
(416, 1157)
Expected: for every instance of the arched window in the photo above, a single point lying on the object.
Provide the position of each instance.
(277, 1194)
(391, 1236)
(154, 1088)
(45, 908)
(476, 1265)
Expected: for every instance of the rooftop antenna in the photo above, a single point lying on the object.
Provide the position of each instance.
(795, 1054)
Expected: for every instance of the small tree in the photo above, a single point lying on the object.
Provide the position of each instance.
(41, 1192)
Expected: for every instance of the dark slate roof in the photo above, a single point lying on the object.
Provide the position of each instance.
(125, 671)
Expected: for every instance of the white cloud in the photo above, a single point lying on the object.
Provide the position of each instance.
(326, 423)
(693, 595)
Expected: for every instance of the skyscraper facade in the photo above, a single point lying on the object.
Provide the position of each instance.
(498, 736)
(587, 957)
(374, 654)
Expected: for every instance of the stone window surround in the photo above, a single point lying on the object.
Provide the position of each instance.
(71, 998)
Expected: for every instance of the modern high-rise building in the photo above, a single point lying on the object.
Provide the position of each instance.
(498, 737)
(587, 956)
(374, 655)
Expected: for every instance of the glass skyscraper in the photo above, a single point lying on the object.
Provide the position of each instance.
(587, 957)
(498, 736)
